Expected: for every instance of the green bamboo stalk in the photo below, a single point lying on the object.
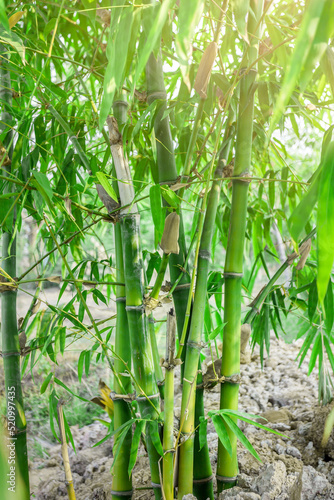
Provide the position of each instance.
(168, 438)
(161, 274)
(16, 422)
(203, 483)
(121, 483)
(148, 398)
(227, 467)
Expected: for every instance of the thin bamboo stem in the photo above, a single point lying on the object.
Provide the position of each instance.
(64, 452)
(161, 274)
(227, 466)
(168, 437)
(10, 339)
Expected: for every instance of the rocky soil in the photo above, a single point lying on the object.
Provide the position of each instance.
(294, 467)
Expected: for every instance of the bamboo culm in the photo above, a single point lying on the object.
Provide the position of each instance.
(227, 466)
(148, 398)
(10, 339)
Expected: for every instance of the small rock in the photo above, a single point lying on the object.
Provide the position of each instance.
(237, 493)
(294, 452)
(280, 449)
(271, 480)
(315, 485)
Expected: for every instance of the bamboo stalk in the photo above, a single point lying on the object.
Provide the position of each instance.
(10, 339)
(227, 467)
(168, 438)
(121, 483)
(64, 452)
(148, 398)
(203, 481)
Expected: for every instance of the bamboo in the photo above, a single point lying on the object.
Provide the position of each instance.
(64, 452)
(121, 483)
(227, 467)
(148, 398)
(168, 438)
(203, 477)
(10, 339)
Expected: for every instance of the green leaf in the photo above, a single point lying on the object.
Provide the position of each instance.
(135, 445)
(106, 185)
(241, 436)
(216, 331)
(299, 58)
(325, 223)
(152, 37)
(12, 39)
(302, 213)
(240, 9)
(64, 386)
(154, 435)
(324, 33)
(117, 51)
(119, 440)
(81, 364)
(312, 300)
(222, 432)
(172, 199)
(314, 353)
(190, 12)
(3, 16)
(328, 306)
(156, 209)
(46, 383)
(202, 432)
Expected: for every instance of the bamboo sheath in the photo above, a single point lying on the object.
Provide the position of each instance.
(147, 389)
(9, 329)
(227, 467)
(64, 452)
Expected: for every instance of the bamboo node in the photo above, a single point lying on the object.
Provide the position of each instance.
(225, 479)
(197, 345)
(231, 379)
(232, 275)
(121, 299)
(155, 485)
(205, 254)
(121, 493)
(114, 135)
(144, 397)
(156, 95)
(128, 398)
(204, 480)
(8, 286)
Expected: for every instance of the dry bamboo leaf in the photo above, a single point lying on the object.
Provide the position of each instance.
(244, 336)
(150, 304)
(36, 307)
(204, 69)
(14, 19)
(22, 340)
(169, 241)
(54, 279)
(104, 15)
(179, 185)
(292, 257)
(89, 285)
(20, 323)
(304, 252)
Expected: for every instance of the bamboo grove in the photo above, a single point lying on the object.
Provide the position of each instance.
(152, 145)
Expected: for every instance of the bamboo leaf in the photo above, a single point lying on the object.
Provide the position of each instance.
(328, 306)
(240, 9)
(216, 331)
(302, 213)
(323, 34)
(12, 39)
(81, 364)
(325, 223)
(299, 58)
(46, 383)
(314, 353)
(14, 19)
(119, 440)
(222, 432)
(154, 434)
(202, 432)
(153, 36)
(106, 185)
(241, 436)
(190, 12)
(135, 445)
(3, 16)
(64, 386)
(312, 300)
(156, 209)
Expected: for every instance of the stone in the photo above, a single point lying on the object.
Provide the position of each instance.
(294, 452)
(238, 493)
(271, 480)
(315, 485)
